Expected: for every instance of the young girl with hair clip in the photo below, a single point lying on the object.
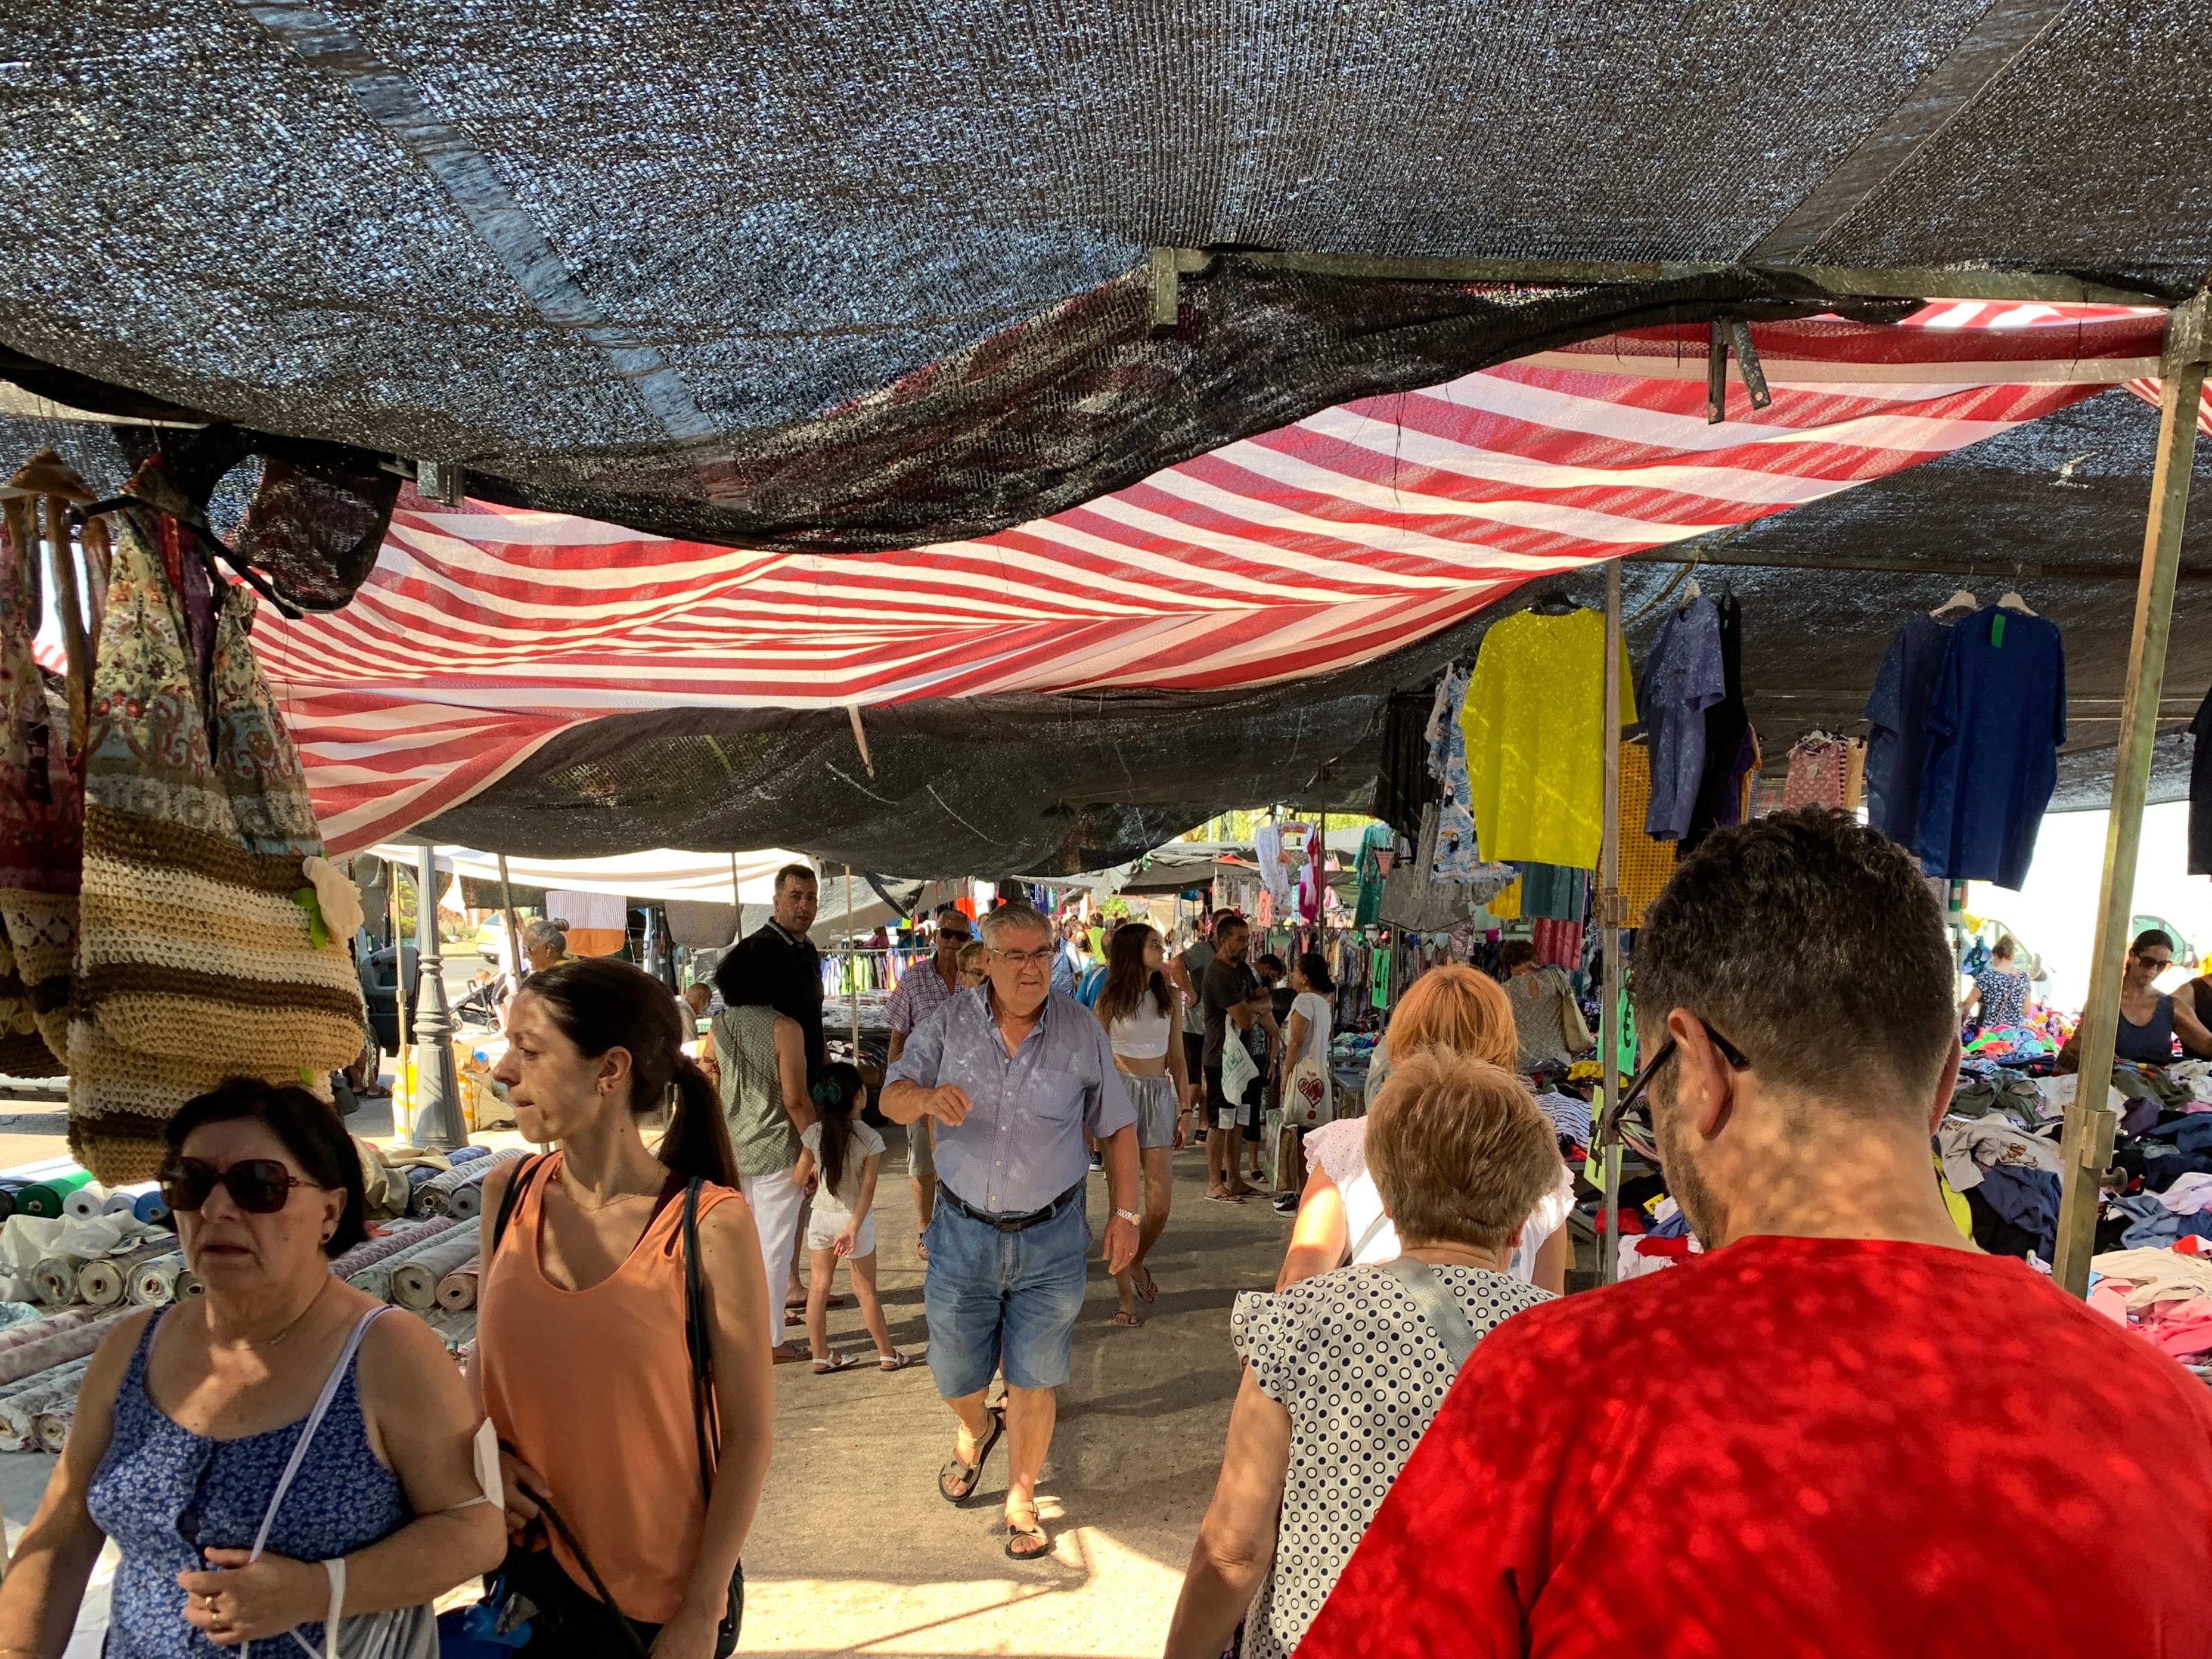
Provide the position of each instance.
(846, 1154)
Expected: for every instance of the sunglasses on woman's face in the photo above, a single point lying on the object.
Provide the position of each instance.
(1629, 1124)
(259, 1186)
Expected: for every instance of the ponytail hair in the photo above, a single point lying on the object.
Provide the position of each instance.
(600, 1004)
(837, 1094)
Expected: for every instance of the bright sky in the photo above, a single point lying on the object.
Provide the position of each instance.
(2055, 912)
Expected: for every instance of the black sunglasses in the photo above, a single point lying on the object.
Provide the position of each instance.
(259, 1186)
(946, 933)
(1629, 1124)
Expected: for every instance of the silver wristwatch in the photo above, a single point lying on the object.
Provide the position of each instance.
(1129, 1216)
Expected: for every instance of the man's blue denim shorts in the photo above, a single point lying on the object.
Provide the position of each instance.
(1000, 1299)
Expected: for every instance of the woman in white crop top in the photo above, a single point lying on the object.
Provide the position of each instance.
(1137, 1010)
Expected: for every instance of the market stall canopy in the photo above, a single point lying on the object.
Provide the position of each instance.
(1068, 694)
(871, 276)
(695, 886)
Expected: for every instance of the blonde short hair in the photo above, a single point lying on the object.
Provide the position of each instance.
(1460, 1151)
(975, 956)
(1456, 1007)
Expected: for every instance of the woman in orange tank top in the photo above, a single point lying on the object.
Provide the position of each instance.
(580, 1349)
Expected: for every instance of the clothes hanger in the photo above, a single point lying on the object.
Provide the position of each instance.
(2011, 600)
(1960, 600)
(1691, 594)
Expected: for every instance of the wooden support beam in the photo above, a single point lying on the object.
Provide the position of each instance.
(2090, 1123)
(1843, 281)
(1612, 917)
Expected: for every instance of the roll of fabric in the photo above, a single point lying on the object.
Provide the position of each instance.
(417, 1174)
(396, 1236)
(151, 1207)
(14, 1313)
(51, 1429)
(415, 1280)
(86, 1202)
(153, 1282)
(467, 1154)
(47, 1195)
(7, 1201)
(121, 1201)
(51, 1351)
(56, 1278)
(189, 1285)
(19, 1412)
(376, 1279)
(436, 1197)
(105, 1281)
(458, 1289)
(43, 1325)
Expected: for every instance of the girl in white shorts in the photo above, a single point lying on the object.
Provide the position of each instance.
(846, 1155)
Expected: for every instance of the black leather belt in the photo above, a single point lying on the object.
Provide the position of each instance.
(1010, 1224)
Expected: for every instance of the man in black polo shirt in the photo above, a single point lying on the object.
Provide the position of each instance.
(794, 965)
(1233, 1000)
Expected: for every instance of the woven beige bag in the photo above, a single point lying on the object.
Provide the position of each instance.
(203, 950)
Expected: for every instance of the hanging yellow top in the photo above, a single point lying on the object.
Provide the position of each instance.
(1534, 720)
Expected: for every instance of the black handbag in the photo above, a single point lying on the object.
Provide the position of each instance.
(529, 1585)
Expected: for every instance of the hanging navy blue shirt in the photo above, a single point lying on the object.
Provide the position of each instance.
(1994, 728)
(1898, 711)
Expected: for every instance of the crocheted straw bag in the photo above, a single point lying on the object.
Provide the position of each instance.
(201, 952)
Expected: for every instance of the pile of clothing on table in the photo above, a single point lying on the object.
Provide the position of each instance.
(1999, 1148)
(2163, 1295)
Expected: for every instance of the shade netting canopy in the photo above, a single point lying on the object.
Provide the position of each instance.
(1066, 692)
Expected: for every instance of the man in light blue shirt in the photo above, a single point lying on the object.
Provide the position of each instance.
(1017, 1076)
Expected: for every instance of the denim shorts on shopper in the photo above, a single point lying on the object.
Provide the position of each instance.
(1004, 1300)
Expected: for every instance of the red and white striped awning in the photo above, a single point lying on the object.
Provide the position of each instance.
(483, 632)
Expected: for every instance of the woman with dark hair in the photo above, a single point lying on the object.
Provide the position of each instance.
(1137, 1010)
(189, 1416)
(640, 1420)
(2148, 1020)
(761, 1074)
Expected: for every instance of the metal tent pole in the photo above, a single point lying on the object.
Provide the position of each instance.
(437, 1116)
(2090, 1123)
(1611, 914)
(513, 935)
(851, 966)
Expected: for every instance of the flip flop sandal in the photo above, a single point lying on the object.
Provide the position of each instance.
(893, 1362)
(1016, 1532)
(972, 1474)
(836, 1362)
(1127, 1320)
(1147, 1287)
(1224, 1198)
(785, 1354)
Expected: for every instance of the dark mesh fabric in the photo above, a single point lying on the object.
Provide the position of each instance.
(859, 275)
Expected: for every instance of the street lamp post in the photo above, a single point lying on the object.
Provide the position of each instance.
(437, 1116)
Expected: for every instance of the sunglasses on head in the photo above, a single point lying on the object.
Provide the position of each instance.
(259, 1186)
(1629, 1124)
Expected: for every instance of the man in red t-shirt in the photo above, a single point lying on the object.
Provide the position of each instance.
(1844, 1432)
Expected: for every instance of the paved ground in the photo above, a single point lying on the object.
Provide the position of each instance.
(855, 1553)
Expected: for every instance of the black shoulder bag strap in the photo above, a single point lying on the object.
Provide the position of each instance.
(525, 1173)
(706, 1422)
